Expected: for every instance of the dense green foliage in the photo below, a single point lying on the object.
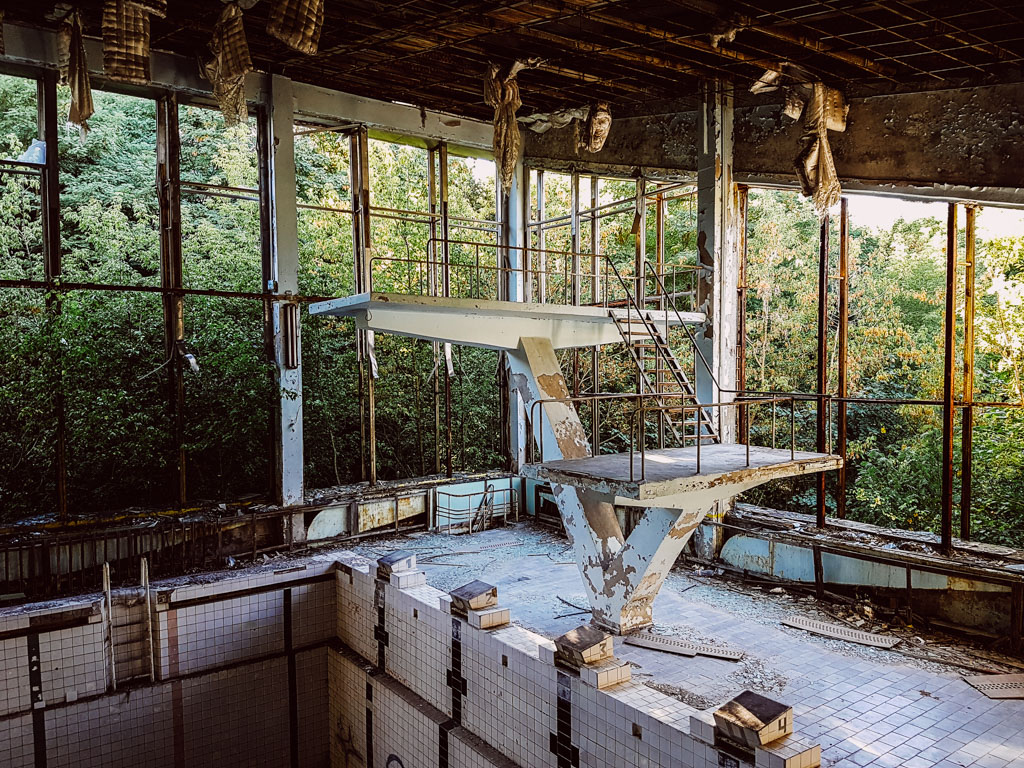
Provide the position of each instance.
(897, 297)
(102, 352)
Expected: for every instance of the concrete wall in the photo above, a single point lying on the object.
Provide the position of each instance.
(963, 601)
(240, 664)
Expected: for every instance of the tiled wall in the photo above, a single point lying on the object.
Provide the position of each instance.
(318, 664)
(417, 686)
(240, 667)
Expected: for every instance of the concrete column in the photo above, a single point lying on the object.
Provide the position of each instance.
(515, 236)
(622, 575)
(718, 241)
(284, 276)
(718, 223)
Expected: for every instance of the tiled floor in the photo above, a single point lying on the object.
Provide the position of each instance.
(866, 707)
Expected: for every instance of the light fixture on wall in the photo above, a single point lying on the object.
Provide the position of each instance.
(290, 335)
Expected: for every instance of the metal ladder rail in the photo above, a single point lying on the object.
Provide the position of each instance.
(682, 381)
(627, 336)
(648, 267)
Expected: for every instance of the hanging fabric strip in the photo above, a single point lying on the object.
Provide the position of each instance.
(502, 93)
(125, 42)
(230, 64)
(815, 167)
(297, 23)
(77, 74)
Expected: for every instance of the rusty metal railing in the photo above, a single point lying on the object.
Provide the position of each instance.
(650, 403)
(503, 502)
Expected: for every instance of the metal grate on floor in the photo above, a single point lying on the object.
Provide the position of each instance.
(840, 632)
(998, 686)
(680, 647)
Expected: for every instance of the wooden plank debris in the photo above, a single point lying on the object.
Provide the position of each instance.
(840, 632)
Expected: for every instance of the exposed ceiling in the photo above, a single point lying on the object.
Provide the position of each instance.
(635, 54)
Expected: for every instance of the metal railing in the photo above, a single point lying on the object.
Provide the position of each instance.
(685, 404)
(479, 270)
(479, 508)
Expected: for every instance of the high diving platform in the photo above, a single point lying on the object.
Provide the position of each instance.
(487, 323)
(673, 488)
(661, 476)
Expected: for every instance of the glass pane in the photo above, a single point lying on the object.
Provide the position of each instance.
(228, 400)
(21, 228)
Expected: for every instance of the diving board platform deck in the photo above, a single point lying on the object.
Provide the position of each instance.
(486, 323)
(672, 472)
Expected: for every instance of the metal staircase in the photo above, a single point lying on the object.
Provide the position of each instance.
(657, 365)
(661, 374)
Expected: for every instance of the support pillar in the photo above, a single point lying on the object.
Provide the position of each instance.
(967, 417)
(515, 241)
(283, 281)
(169, 189)
(842, 352)
(718, 241)
(948, 387)
(622, 575)
(822, 377)
(52, 268)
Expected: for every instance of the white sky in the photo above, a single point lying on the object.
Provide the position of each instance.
(883, 211)
(879, 211)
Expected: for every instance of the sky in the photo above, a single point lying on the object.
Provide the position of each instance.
(882, 211)
(878, 211)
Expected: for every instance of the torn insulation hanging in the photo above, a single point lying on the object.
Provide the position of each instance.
(230, 64)
(156, 8)
(297, 23)
(826, 110)
(502, 93)
(596, 128)
(125, 42)
(74, 70)
(542, 122)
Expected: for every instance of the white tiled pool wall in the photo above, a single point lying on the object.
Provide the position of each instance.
(288, 668)
(238, 679)
(512, 693)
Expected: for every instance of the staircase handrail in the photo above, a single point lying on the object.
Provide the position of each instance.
(693, 341)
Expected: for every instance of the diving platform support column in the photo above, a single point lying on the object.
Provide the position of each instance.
(622, 575)
(281, 265)
(514, 212)
(719, 223)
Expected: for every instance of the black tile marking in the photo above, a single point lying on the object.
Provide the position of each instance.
(567, 755)
(293, 683)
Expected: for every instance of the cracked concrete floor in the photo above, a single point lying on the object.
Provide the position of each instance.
(865, 706)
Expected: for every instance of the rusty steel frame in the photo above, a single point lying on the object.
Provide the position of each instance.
(967, 395)
(948, 385)
(46, 88)
(743, 427)
(822, 368)
(168, 145)
(843, 350)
